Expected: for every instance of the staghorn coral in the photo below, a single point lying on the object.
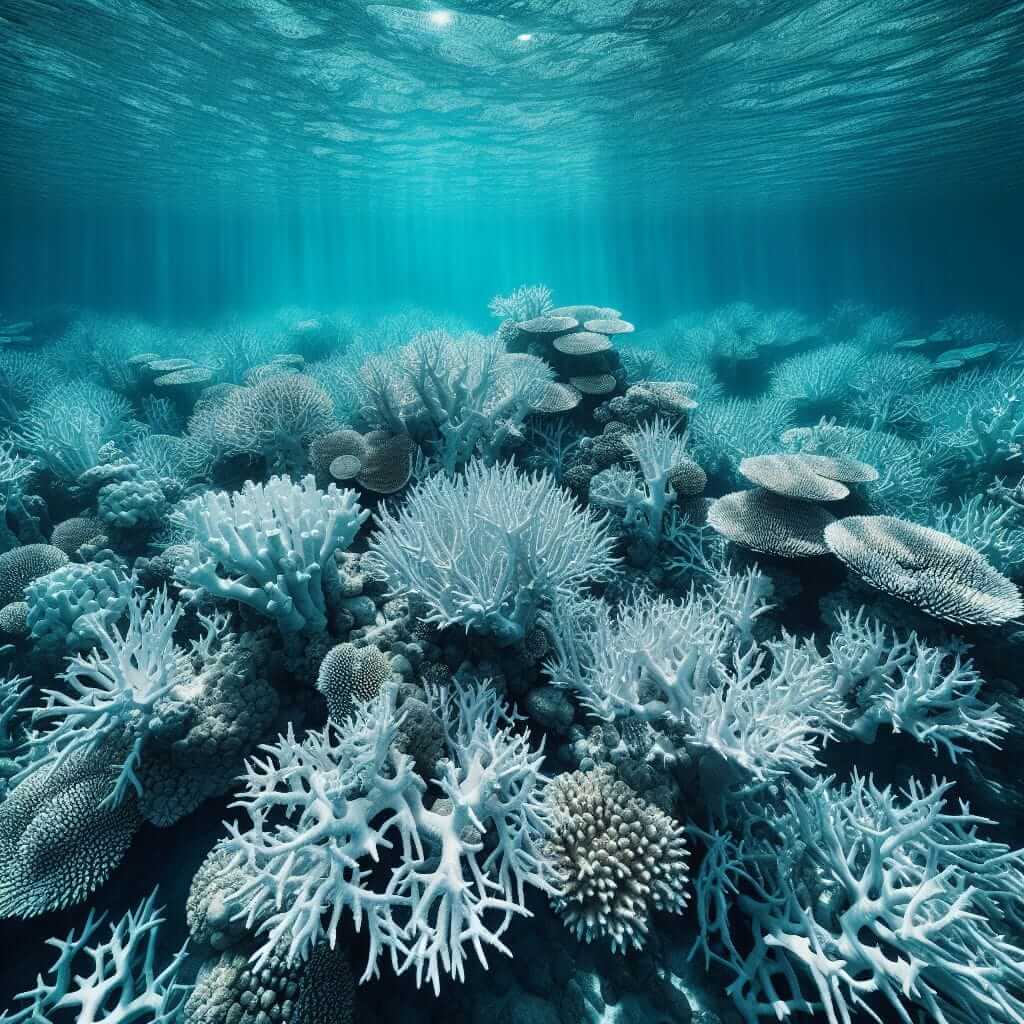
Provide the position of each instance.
(114, 690)
(724, 433)
(348, 791)
(455, 396)
(13, 734)
(748, 712)
(490, 549)
(930, 693)
(66, 431)
(617, 858)
(862, 898)
(115, 981)
(991, 528)
(271, 546)
(19, 510)
(524, 303)
(819, 382)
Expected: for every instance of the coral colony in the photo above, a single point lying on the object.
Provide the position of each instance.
(555, 632)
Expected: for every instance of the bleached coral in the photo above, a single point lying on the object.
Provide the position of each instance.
(66, 430)
(271, 546)
(349, 792)
(866, 899)
(657, 450)
(276, 418)
(490, 549)
(927, 692)
(455, 396)
(524, 303)
(750, 712)
(114, 690)
(114, 981)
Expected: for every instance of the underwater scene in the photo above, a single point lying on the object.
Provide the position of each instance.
(511, 512)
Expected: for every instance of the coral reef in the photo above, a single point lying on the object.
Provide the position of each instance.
(580, 644)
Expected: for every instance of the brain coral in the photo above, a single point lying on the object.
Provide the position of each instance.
(71, 534)
(927, 568)
(21, 566)
(618, 858)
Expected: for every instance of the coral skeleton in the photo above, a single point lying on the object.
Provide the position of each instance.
(108, 981)
(271, 546)
(349, 794)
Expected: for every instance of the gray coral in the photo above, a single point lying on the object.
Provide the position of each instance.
(60, 838)
(320, 990)
(929, 569)
(618, 858)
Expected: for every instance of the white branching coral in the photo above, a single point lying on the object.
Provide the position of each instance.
(271, 546)
(349, 793)
(111, 981)
(867, 899)
(750, 712)
(617, 857)
(490, 549)
(276, 418)
(524, 303)
(658, 451)
(928, 692)
(114, 690)
(455, 396)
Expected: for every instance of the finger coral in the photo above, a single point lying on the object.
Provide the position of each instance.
(271, 546)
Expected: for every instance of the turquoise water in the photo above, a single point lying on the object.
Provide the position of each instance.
(510, 511)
